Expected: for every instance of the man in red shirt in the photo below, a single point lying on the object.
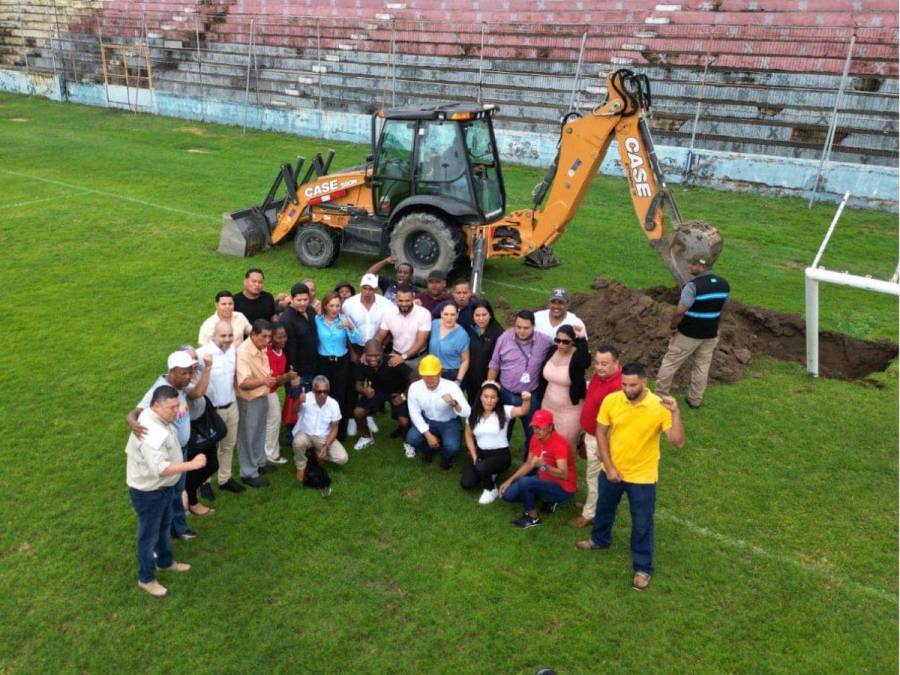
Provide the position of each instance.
(607, 379)
(556, 479)
(278, 364)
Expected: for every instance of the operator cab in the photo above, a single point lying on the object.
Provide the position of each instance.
(447, 151)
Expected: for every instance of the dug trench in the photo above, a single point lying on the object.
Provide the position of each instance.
(637, 323)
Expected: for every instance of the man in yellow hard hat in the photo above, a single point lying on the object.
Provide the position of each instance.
(435, 408)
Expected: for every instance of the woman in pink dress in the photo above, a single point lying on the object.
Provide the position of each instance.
(563, 386)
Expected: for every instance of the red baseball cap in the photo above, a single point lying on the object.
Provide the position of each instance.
(542, 418)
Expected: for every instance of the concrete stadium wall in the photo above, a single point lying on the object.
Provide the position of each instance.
(872, 186)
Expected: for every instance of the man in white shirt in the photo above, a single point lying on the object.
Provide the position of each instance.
(221, 392)
(225, 312)
(366, 310)
(153, 467)
(435, 408)
(548, 321)
(408, 325)
(318, 416)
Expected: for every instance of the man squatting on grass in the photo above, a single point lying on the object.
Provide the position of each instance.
(628, 427)
(154, 467)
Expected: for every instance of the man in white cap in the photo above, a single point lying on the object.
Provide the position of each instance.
(366, 310)
(548, 321)
(180, 373)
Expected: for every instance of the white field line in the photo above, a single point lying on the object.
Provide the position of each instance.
(39, 201)
(760, 552)
(113, 195)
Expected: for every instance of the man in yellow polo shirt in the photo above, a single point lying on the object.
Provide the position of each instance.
(628, 427)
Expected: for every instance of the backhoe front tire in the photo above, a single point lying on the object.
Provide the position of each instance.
(316, 245)
(428, 242)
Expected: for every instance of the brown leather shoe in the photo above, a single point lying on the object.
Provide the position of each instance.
(588, 545)
(299, 474)
(581, 521)
(154, 588)
(175, 567)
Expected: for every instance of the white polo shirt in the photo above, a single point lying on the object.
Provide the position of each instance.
(424, 402)
(316, 420)
(221, 375)
(367, 321)
(542, 323)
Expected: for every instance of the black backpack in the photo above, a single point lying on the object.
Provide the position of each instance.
(315, 475)
(206, 431)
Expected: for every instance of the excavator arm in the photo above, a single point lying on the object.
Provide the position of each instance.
(584, 142)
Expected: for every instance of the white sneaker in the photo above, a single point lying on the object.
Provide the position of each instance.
(351, 428)
(278, 460)
(409, 450)
(488, 497)
(364, 442)
(372, 426)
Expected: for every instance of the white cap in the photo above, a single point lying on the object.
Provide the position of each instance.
(369, 280)
(181, 359)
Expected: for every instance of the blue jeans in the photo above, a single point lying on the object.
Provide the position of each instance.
(510, 398)
(154, 514)
(642, 503)
(179, 521)
(449, 432)
(530, 490)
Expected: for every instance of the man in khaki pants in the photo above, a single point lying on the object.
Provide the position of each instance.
(221, 393)
(694, 330)
(318, 416)
(606, 380)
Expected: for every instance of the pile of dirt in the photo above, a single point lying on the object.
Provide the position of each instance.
(637, 322)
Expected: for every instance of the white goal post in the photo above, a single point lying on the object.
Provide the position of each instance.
(816, 274)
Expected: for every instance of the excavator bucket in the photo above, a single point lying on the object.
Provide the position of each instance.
(687, 241)
(246, 232)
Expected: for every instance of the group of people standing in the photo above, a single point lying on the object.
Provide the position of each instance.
(452, 377)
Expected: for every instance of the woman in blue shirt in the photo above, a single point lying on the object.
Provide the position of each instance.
(334, 333)
(450, 343)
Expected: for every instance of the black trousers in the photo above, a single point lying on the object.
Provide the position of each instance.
(490, 463)
(337, 370)
(194, 479)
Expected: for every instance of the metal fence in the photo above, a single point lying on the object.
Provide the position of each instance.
(809, 92)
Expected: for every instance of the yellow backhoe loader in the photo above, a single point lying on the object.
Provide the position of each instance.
(432, 192)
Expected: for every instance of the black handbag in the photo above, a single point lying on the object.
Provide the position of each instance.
(315, 475)
(206, 431)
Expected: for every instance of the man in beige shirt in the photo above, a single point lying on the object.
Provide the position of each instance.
(154, 465)
(224, 312)
(253, 378)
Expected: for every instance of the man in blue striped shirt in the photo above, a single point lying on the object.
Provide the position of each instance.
(694, 330)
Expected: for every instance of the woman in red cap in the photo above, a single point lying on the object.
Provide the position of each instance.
(556, 481)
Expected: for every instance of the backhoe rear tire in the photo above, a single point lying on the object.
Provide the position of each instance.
(428, 242)
(317, 245)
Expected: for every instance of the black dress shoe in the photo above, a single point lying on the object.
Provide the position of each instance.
(255, 482)
(207, 493)
(268, 468)
(446, 464)
(231, 485)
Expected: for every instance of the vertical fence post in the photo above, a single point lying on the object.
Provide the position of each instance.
(829, 138)
(481, 63)
(812, 326)
(578, 72)
(200, 68)
(247, 83)
(689, 160)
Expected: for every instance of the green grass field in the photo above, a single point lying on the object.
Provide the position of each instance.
(776, 526)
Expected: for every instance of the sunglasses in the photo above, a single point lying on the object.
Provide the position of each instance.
(560, 341)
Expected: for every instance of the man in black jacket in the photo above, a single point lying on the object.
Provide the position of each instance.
(299, 320)
(694, 330)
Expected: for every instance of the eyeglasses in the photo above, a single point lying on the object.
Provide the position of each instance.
(560, 341)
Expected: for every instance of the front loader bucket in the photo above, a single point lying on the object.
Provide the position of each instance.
(245, 233)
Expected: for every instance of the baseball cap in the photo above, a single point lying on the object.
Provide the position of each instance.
(436, 275)
(430, 365)
(542, 418)
(369, 280)
(560, 294)
(181, 359)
